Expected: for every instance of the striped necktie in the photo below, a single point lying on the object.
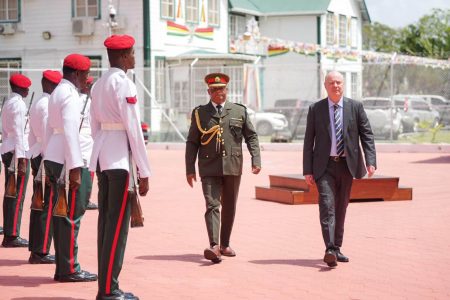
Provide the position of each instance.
(219, 109)
(338, 130)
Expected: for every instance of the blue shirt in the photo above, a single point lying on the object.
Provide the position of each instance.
(333, 151)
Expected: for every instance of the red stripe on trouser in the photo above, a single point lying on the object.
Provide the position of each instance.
(116, 237)
(47, 223)
(16, 214)
(92, 176)
(72, 232)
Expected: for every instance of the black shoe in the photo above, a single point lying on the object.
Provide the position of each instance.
(36, 258)
(81, 276)
(116, 295)
(91, 206)
(213, 254)
(330, 258)
(341, 257)
(1, 230)
(14, 242)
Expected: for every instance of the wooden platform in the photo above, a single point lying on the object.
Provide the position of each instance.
(292, 189)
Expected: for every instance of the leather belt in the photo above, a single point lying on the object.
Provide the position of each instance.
(112, 126)
(337, 158)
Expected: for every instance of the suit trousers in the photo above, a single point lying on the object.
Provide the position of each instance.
(113, 225)
(13, 206)
(65, 229)
(41, 225)
(220, 190)
(334, 195)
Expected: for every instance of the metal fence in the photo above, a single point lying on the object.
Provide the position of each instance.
(400, 99)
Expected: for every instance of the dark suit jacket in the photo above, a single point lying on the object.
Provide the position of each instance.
(317, 143)
(236, 126)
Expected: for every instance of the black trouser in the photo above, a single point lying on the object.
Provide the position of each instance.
(334, 195)
(41, 225)
(13, 206)
(219, 190)
(113, 224)
(65, 229)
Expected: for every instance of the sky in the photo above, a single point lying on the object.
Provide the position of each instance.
(399, 13)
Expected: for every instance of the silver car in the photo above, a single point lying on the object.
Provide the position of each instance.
(267, 123)
(383, 117)
(415, 110)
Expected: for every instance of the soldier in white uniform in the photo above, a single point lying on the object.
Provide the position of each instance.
(41, 231)
(115, 124)
(13, 149)
(62, 152)
(86, 140)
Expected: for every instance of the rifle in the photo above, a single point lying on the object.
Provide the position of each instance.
(11, 186)
(61, 206)
(137, 217)
(37, 200)
(28, 111)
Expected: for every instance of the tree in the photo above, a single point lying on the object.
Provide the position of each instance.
(380, 38)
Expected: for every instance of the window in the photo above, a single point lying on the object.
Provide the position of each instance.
(9, 10)
(159, 79)
(181, 95)
(342, 31)
(237, 26)
(354, 82)
(96, 65)
(168, 9)
(87, 8)
(12, 65)
(330, 29)
(353, 33)
(213, 13)
(192, 11)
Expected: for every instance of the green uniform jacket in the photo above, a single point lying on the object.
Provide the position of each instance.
(236, 126)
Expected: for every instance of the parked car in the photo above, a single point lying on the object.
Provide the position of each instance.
(441, 104)
(267, 123)
(414, 110)
(380, 111)
(145, 131)
(296, 111)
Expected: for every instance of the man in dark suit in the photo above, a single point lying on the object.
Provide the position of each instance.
(215, 136)
(332, 157)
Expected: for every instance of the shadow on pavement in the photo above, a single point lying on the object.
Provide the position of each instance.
(25, 281)
(194, 258)
(44, 298)
(437, 160)
(12, 262)
(310, 263)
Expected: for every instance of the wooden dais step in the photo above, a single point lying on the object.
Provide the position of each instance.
(292, 189)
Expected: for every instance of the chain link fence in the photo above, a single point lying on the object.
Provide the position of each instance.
(401, 100)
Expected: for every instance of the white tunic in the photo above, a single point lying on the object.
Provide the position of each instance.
(38, 121)
(13, 126)
(86, 140)
(62, 143)
(110, 106)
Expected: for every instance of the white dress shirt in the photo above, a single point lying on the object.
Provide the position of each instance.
(13, 126)
(62, 142)
(38, 122)
(110, 106)
(86, 140)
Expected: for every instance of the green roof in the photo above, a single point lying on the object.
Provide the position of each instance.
(279, 6)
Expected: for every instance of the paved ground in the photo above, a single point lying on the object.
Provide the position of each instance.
(397, 250)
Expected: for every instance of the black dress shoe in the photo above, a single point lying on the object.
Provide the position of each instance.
(213, 254)
(36, 258)
(116, 295)
(332, 264)
(91, 206)
(330, 258)
(14, 242)
(341, 257)
(81, 276)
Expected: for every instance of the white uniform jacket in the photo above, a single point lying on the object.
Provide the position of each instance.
(86, 140)
(13, 126)
(115, 123)
(62, 143)
(37, 122)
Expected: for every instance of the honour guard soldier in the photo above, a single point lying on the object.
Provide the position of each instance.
(14, 149)
(215, 137)
(62, 152)
(86, 140)
(41, 231)
(115, 123)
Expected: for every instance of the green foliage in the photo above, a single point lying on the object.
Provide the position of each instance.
(428, 37)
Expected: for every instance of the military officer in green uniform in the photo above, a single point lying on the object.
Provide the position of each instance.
(215, 136)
